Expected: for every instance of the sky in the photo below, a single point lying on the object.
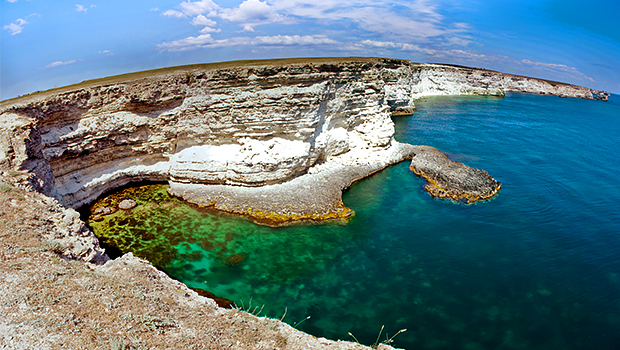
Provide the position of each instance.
(46, 44)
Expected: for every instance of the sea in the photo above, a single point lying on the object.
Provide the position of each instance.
(536, 267)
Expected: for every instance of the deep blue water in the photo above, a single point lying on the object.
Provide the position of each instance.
(537, 267)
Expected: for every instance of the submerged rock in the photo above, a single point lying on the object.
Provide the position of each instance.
(450, 179)
(221, 302)
(103, 211)
(127, 204)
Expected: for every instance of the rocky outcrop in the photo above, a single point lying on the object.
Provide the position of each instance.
(450, 179)
(240, 136)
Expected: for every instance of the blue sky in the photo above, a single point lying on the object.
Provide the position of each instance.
(47, 44)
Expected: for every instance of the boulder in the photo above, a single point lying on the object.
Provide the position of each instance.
(127, 204)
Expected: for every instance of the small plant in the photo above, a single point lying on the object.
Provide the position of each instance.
(295, 324)
(388, 340)
(6, 188)
(16, 172)
(190, 78)
(151, 323)
(53, 246)
(117, 344)
(120, 344)
(249, 308)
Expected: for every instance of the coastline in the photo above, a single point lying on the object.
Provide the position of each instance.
(233, 127)
(296, 135)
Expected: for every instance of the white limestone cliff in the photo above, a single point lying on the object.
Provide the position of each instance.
(253, 125)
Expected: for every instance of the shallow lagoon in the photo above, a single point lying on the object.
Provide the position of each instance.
(538, 267)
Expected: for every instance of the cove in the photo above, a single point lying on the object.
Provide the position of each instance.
(534, 268)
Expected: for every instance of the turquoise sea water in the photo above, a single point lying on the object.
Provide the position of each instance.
(537, 267)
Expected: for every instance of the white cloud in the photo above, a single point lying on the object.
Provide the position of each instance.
(155, 9)
(187, 43)
(398, 46)
(106, 52)
(206, 41)
(201, 20)
(251, 12)
(557, 67)
(465, 54)
(420, 20)
(11, 0)
(60, 63)
(16, 27)
(414, 25)
(208, 24)
(173, 13)
(81, 8)
(210, 30)
(203, 7)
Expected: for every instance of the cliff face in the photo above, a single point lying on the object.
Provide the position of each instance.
(435, 79)
(250, 126)
(273, 141)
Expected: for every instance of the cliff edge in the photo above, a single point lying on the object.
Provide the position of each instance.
(274, 140)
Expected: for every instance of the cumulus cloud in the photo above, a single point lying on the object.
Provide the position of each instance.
(174, 13)
(251, 12)
(201, 20)
(60, 63)
(15, 27)
(188, 8)
(417, 18)
(207, 41)
(205, 22)
(417, 24)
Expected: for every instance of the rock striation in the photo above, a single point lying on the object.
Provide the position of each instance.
(276, 140)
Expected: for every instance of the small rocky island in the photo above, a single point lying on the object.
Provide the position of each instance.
(275, 140)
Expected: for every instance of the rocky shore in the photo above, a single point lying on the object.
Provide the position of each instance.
(58, 290)
(236, 135)
(274, 140)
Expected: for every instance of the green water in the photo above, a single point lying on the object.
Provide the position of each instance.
(537, 267)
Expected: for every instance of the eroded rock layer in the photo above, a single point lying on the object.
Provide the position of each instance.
(240, 136)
